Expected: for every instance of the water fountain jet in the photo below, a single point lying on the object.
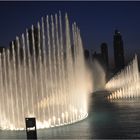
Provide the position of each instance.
(43, 76)
(126, 83)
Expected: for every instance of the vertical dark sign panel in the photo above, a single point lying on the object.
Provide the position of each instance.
(31, 128)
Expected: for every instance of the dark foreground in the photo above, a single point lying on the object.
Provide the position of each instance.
(115, 119)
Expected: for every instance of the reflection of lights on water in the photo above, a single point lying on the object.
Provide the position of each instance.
(52, 122)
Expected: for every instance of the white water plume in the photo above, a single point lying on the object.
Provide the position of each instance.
(125, 84)
(43, 76)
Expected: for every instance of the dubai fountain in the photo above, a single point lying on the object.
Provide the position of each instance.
(125, 84)
(42, 75)
(99, 79)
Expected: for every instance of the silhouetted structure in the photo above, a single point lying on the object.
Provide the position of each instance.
(31, 128)
(98, 57)
(104, 53)
(118, 51)
(86, 54)
(102, 58)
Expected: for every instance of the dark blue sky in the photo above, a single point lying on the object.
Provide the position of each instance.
(97, 21)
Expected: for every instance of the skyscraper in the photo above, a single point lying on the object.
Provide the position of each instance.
(104, 52)
(118, 51)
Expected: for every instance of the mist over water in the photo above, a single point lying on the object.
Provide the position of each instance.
(43, 75)
(98, 76)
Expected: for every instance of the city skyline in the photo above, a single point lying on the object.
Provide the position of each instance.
(96, 20)
(66, 80)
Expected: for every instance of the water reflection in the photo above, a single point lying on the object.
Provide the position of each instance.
(115, 119)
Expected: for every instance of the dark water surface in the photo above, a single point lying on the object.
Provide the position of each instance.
(107, 119)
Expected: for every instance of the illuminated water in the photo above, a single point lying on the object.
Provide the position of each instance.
(125, 84)
(116, 119)
(98, 76)
(42, 75)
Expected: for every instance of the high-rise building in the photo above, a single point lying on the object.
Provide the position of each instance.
(104, 52)
(118, 51)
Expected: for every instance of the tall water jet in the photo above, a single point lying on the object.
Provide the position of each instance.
(43, 75)
(125, 84)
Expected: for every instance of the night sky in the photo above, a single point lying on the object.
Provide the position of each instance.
(97, 21)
